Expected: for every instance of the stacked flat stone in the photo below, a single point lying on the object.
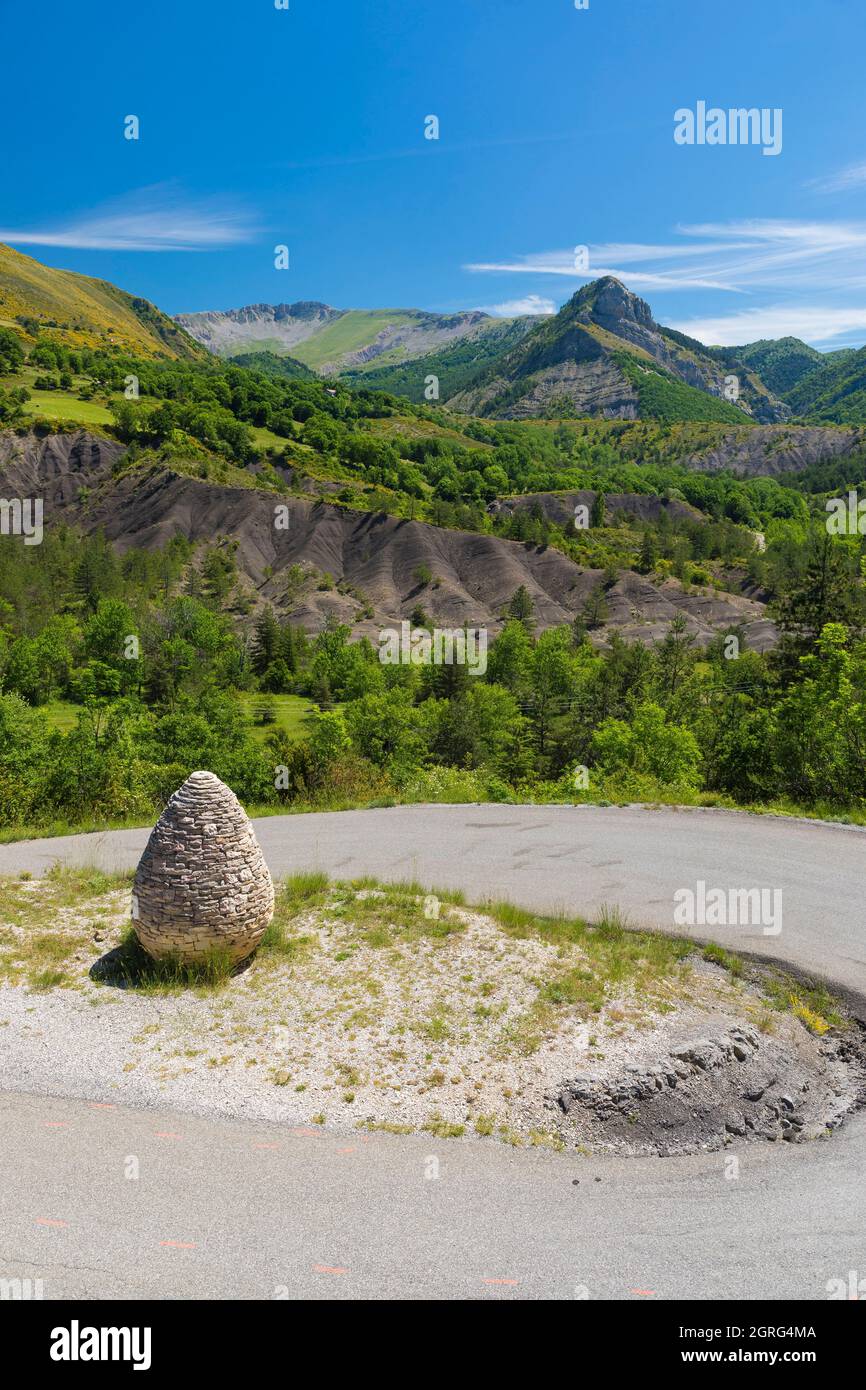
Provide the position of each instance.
(202, 882)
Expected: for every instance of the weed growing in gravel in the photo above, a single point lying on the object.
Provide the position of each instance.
(443, 1129)
(299, 891)
(717, 955)
(812, 1004)
(812, 1020)
(510, 1136)
(434, 1026)
(616, 953)
(43, 922)
(42, 980)
(386, 1126)
(543, 1139)
(612, 959)
(386, 915)
(77, 883)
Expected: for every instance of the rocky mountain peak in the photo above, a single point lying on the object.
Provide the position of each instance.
(609, 302)
(304, 309)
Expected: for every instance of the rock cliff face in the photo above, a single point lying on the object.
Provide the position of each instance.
(592, 358)
(233, 331)
(202, 884)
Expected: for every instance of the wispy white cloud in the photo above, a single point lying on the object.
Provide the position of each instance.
(804, 272)
(159, 218)
(562, 263)
(816, 324)
(529, 304)
(853, 176)
(424, 149)
(738, 257)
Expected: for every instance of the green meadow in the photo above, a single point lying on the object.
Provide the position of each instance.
(290, 714)
(352, 331)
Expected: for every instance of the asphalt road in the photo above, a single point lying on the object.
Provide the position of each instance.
(229, 1209)
(579, 858)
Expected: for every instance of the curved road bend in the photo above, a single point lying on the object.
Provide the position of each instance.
(235, 1209)
(579, 858)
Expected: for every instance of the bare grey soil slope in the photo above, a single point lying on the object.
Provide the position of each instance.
(55, 467)
(771, 449)
(559, 507)
(378, 556)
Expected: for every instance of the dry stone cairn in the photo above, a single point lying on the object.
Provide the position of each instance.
(202, 883)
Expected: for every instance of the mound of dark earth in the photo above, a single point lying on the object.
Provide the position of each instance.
(374, 559)
(56, 467)
(704, 1094)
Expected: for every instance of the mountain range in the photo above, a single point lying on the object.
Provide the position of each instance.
(603, 355)
(334, 341)
(366, 477)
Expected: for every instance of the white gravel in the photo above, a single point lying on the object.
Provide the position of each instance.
(394, 1030)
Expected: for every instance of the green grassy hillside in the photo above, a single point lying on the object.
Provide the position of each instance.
(780, 362)
(835, 392)
(349, 333)
(78, 311)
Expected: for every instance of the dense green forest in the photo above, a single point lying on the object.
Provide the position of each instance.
(453, 366)
(146, 651)
(388, 453)
(159, 663)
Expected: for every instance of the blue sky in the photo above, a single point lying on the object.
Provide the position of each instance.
(305, 127)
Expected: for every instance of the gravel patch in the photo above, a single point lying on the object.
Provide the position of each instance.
(402, 1013)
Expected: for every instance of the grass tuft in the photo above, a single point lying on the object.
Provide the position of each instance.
(75, 882)
(443, 1129)
(813, 1021)
(132, 968)
(726, 959)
